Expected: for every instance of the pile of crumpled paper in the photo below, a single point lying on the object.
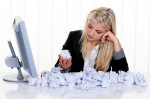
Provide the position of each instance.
(87, 79)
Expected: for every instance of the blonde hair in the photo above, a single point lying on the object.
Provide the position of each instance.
(106, 17)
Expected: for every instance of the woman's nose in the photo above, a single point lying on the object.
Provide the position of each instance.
(92, 32)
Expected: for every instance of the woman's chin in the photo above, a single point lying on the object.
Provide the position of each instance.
(91, 40)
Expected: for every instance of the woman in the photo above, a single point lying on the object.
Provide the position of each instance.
(95, 46)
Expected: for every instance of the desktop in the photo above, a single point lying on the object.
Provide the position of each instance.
(26, 58)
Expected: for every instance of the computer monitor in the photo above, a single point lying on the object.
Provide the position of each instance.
(26, 58)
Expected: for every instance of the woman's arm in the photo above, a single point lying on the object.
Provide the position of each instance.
(65, 64)
(119, 61)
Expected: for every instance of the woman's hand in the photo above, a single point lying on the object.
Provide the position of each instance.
(65, 63)
(111, 37)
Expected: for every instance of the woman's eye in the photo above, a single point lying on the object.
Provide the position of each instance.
(98, 32)
(90, 26)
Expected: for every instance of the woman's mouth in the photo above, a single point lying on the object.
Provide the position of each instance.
(90, 37)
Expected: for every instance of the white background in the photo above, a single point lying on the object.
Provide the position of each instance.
(48, 23)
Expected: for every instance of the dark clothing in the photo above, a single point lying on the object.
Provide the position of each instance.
(73, 44)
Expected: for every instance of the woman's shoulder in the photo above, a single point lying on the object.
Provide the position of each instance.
(76, 32)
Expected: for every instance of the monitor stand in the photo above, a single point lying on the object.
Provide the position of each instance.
(13, 62)
(16, 77)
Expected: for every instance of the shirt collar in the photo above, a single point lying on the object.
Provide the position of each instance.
(96, 47)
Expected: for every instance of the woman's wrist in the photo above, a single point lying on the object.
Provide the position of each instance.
(117, 46)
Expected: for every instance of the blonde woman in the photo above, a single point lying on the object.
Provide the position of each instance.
(95, 46)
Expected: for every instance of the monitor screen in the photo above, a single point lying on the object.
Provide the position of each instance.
(26, 58)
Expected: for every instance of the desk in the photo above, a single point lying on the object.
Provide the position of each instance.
(10, 90)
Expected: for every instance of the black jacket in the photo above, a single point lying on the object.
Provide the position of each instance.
(73, 44)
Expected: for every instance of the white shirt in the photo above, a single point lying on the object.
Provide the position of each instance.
(90, 62)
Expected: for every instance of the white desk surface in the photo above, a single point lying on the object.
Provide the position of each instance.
(10, 90)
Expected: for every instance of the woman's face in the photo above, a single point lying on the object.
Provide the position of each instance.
(95, 31)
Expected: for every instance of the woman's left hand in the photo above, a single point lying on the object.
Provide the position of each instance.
(111, 37)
